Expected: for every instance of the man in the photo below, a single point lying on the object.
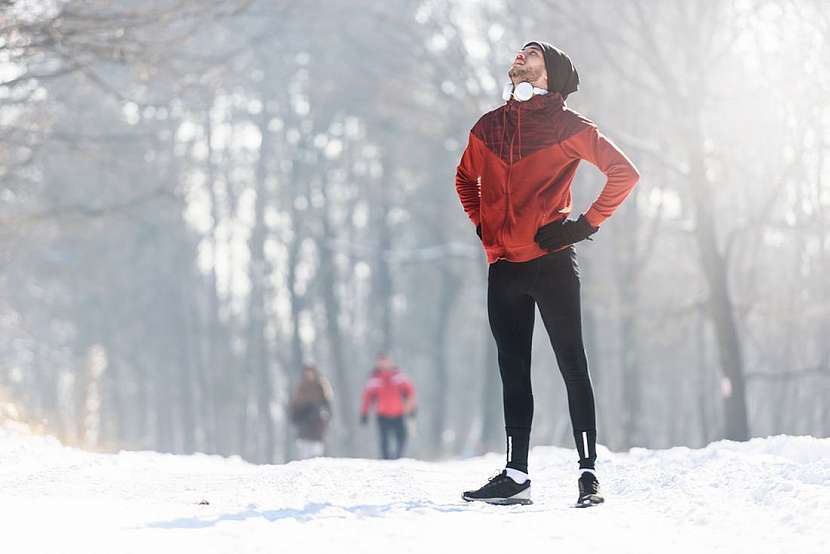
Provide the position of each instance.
(311, 412)
(514, 182)
(394, 395)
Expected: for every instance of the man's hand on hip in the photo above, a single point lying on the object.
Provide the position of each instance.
(557, 234)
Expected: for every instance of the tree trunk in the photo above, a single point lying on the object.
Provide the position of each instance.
(721, 309)
(215, 360)
(704, 389)
(382, 275)
(331, 305)
(257, 354)
(441, 385)
(629, 267)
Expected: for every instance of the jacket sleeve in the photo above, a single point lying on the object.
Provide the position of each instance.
(369, 394)
(408, 389)
(328, 393)
(591, 145)
(467, 181)
(408, 393)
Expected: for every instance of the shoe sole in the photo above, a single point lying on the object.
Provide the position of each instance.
(522, 497)
(589, 502)
(500, 501)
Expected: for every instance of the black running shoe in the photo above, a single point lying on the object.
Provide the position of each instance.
(588, 491)
(501, 489)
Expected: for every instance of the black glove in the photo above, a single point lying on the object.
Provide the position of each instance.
(478, 231)
(364, 419)
(557, 234)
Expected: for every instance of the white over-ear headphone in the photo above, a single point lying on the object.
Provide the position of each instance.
(522, 92)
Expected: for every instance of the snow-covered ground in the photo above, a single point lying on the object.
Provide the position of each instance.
(768, 495)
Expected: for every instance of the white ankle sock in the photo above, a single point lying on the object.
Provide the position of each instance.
(518, 476)
(591, 471)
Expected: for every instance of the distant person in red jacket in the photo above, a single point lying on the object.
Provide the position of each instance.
(392, 394)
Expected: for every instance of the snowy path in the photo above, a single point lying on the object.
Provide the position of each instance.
(768, 495)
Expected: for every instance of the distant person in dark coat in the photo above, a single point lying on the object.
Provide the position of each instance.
(311, 412)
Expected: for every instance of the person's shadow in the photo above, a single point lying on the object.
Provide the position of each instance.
(309, 512)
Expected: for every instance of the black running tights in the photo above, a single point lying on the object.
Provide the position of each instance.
(514, 289)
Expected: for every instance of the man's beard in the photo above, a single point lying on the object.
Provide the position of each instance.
(521, 74)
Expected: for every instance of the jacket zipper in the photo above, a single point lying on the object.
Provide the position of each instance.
(507, 189)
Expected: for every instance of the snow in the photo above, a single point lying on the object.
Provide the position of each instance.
(766, 495)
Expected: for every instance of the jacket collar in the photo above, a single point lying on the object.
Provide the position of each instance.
(550, 101)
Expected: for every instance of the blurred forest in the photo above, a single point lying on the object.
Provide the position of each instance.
(198, 196)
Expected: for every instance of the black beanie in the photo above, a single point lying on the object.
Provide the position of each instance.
(562, 75)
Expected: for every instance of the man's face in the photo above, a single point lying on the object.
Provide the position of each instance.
(529, 66)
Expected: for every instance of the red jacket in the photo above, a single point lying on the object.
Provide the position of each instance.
(516, 173)
(391, 390)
